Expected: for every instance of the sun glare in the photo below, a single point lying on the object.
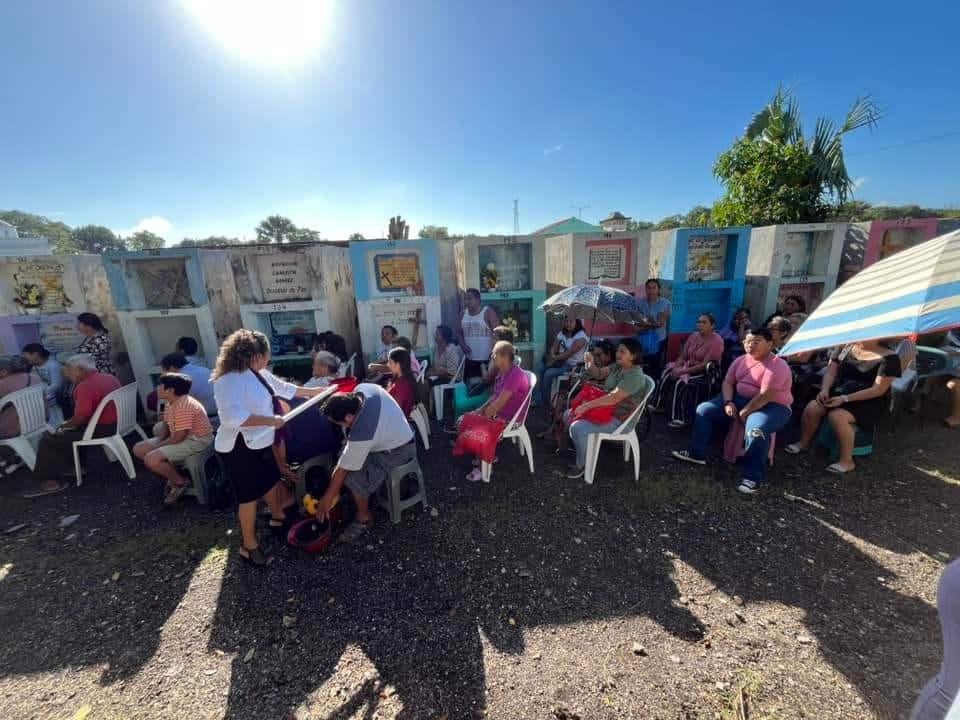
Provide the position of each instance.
(276, 33)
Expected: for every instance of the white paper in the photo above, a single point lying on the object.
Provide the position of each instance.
(316, 399)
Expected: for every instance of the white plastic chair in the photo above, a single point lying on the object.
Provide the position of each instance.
(625, 433)
(30, 405)
(555, 385)
(125, 399)
(439, 390)
(424, 364)
(347, 367)
(517, 430)
(421, 420)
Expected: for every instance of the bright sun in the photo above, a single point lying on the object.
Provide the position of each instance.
(278, 33)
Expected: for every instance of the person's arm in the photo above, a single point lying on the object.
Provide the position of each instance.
(173, 438)
(332, 494)
(576, 348)
(56, 382)
(661, 319)
(492, 318)
(83, 410)
(829, 377)
(495, 404)
(614, 397)
(462, 340)
(757, 402)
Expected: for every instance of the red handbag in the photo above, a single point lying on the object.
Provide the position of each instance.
(600, 415)
(478, 436)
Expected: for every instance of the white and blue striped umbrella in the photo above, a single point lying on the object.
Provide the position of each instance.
(594, 301)
(914, 292)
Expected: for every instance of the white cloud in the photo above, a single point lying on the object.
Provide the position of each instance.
(155, 224)
(860, 182)
(552, 150)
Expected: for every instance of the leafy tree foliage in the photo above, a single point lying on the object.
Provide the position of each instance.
(439, 232)
(144, 240)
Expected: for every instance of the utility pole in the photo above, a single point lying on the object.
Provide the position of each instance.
(516, 216)
(580, 209)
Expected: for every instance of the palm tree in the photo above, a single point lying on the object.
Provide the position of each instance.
(276, 228)
(779, 123)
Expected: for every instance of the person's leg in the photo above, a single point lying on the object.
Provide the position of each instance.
(55, 456)
(758, 429)
(953, 419)
(579, 429)
(157, 462)
(709, 417)
(143, 447)
(247, 515)
(813, 415)
(548, 377)
(844, 427)
(937, 696)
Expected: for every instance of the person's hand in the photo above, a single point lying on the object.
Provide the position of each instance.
(579, 410)
(742, 415)
(588, 359)
(289, 474)
(278, 422)
(823, 396)
(466, 350)
(730, 409)
(675, 373)
(833, 402)
(487, 412)
(325, 505)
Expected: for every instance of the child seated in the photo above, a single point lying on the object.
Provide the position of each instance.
(185, 431)
(325, 367)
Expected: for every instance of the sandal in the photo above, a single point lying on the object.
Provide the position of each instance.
(255, 557)
(795, 449)
(838, 469)
(354, 531)
(475, 475)
(174, 493)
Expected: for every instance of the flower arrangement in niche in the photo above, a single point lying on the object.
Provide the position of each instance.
(511, 323)
(29, 297)
(489, 277)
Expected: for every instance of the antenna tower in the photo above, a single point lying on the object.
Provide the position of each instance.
(516, 216)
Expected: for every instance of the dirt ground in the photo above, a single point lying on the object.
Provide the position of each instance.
(532, 597)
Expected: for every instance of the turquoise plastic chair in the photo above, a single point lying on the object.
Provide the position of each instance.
(862, 441)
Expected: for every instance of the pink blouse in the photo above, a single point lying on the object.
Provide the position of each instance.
(698, 349)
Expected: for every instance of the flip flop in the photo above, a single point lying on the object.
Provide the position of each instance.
(354, 531)
(50, 491)
(794, 449)
(838, 469)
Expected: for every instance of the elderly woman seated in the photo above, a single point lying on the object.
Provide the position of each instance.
(626, 386)
(755, 392)
(780, 330)
(854, 395)
(702, 348)
(325, 368)
(510, 390)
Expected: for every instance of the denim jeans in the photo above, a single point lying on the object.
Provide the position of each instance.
(546, 380)
(711, 420)
(580, 429)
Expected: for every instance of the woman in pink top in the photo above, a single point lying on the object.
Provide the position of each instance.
(510, 390)
(701, 348)
(756, 392)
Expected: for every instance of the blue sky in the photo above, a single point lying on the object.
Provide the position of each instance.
(134, 114)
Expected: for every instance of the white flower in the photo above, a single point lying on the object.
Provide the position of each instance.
(491, 267)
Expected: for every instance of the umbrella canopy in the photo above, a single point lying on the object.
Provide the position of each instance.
(914, 292)
(594, 301)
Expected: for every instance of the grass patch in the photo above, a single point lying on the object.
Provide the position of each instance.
(741, 701)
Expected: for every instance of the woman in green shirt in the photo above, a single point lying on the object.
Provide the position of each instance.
(626, 386)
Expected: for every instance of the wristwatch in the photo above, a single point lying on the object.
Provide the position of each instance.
(843, 399)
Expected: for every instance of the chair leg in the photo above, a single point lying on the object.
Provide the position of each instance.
(24, 449)
(485, 470)
(634, 445)
(526, 447)
(593, 451)
(438, 403)
(119, 449)
(76, 465)
(393, 499)
(422, 490)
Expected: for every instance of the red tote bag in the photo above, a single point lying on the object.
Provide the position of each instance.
(600, 415)
(478, 436)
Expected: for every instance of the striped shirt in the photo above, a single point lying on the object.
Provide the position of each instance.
(186, 413)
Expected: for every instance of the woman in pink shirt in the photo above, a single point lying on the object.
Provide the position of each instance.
(756, 392)
(703, 347)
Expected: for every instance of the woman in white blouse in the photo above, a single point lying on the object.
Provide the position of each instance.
(244, 390)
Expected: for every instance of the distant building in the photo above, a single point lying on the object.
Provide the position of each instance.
(617, 222)
(566, 226)
(11, 244)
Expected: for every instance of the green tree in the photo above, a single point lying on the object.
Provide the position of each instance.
(144, 240)
(277, 229)
(210, 241)
(440, 232)
(775, 158)
(305, 235)
(699, 216)
(95, 239)
(669, 223)
(29, 225)
(634, 225)
(355, 237)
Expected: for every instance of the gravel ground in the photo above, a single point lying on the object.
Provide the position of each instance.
(532, 597)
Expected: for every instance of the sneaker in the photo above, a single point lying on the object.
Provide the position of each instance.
(475, 475)
(748, 487)
(676, 424)
(575, 472)
(687, 457)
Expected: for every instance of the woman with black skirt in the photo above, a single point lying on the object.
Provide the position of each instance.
(245, 390)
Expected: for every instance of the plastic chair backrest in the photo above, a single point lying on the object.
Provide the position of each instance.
(459, 376)
(424, 364)
(31, 407)
(125, 401)
(628, 425)
(520, 416)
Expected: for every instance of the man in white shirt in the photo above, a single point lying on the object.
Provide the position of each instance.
(47, 368)
(379, 439)
(201, 387)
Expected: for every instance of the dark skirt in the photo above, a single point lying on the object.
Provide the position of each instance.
(252, 473)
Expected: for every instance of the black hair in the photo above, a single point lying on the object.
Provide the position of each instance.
(635, 349)
(336, 344)
(502, 332)
(655, 281)
(403, 342)
(319, 341)
(446, 332)
(474, 292)
(798, 300)
(762, 332)
(36, 348)
(745, 310)
(188, 345)
(576, 328)
(178, 382)
(391, 328)
(605, 346)
(401, 356)
(91, 320)
(173, 360)
(338, 406)
(710, 317)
